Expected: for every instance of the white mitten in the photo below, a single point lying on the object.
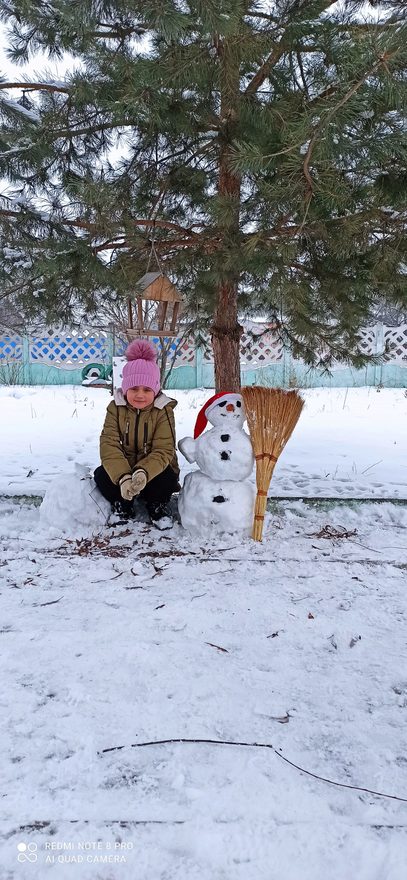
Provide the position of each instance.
(138, 481)
(127, 490)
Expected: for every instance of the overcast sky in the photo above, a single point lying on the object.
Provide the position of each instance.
(38, 64)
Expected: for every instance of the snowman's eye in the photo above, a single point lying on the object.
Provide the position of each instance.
(238, 403)
(223, 403)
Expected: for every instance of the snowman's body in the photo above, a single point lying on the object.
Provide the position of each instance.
(224, 505)
(218, 494)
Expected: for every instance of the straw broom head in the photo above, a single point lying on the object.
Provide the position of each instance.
(272, 415)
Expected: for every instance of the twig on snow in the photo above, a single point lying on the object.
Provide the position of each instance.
(105, 580)
(372, 466)
(332, 533)
(257, 745)
(43, 604)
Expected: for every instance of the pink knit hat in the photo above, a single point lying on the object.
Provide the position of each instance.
(141, 367)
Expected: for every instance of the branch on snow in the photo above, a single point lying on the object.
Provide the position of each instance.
(255, 745)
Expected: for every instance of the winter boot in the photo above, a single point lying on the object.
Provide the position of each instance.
(121, 512)
(160, 515)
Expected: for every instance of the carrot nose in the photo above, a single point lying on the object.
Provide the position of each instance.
(230, 407)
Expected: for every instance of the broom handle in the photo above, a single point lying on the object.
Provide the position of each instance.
(259, 514)
(260, 510)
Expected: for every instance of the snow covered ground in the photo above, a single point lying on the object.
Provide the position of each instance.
(348, 442)
(113, 637)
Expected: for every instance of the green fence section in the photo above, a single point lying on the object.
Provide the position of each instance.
(292, 374)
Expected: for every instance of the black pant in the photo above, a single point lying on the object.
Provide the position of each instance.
(157, 491)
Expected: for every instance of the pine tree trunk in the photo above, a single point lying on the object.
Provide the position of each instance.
(226, 330)
(226, 333)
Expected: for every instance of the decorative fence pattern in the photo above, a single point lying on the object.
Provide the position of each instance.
(258, 349)
(11, 348)
(59, 357)
(396, 339)
(69, 350)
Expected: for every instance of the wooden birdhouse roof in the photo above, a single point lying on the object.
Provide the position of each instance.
(157, 287)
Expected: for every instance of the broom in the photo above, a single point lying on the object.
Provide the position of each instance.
(272, 415)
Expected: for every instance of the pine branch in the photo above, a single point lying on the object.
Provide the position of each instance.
(397, 219)
(92, 227)
(37, 86)
(264, 15)
(17, 288)
(265, 69)
(118, 32)
(164, 245)
(303, 79)
(382, 61)
(90, 129)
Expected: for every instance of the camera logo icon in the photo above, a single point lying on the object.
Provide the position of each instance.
(27, 852)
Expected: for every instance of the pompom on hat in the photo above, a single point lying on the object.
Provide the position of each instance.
(141, 367)
(202, 417)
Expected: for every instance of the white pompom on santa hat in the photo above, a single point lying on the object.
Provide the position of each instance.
(202, 417)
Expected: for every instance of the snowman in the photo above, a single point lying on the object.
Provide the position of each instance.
(219, 494)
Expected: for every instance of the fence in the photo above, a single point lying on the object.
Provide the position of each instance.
(60, 357)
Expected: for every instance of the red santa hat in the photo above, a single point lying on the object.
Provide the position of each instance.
(202, 417)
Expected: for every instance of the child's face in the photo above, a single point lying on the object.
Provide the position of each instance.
(140, 396)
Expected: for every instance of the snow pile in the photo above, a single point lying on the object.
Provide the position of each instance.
(73, 505)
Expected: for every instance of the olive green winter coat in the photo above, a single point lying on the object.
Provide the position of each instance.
(145, 438)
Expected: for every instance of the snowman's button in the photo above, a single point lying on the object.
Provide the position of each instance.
(225, 456)
(218, 499)
(225, 438)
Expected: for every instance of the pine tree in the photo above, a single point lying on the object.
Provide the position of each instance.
(261, 144)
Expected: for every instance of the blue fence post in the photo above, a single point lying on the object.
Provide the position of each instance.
(26, 360)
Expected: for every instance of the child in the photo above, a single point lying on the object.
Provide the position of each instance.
(137, 443)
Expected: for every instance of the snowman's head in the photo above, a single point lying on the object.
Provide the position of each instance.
(228, 409)
(225, 408)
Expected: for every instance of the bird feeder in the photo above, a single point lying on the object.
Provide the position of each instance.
(154, 287)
